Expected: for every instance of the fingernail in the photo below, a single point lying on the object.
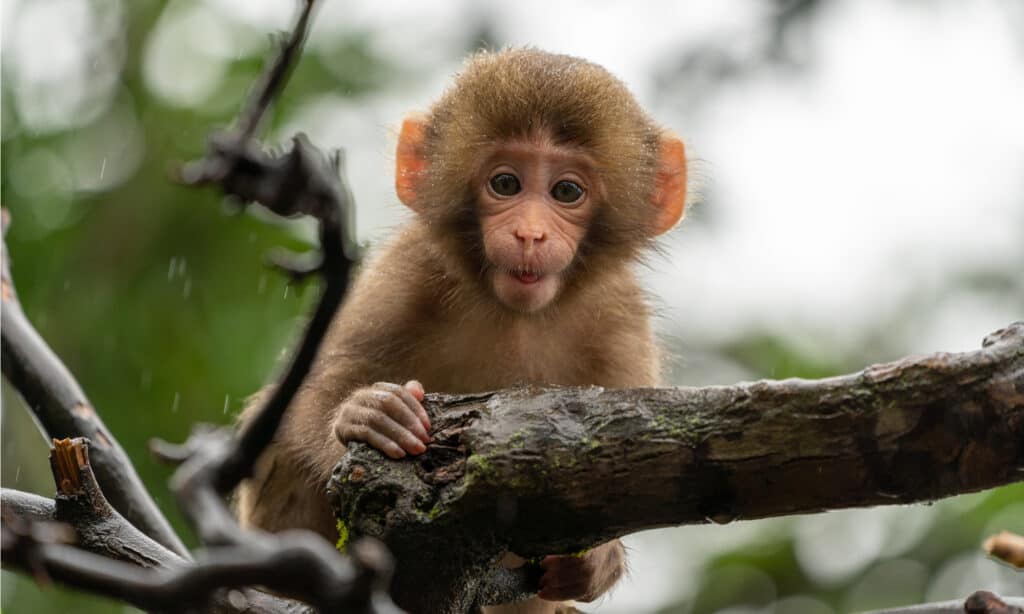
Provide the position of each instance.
(396, 450)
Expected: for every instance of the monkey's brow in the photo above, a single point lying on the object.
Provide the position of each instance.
(528, 150)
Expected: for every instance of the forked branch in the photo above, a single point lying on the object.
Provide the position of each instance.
(62, 410)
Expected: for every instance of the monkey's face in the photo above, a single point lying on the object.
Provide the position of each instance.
(535, 199)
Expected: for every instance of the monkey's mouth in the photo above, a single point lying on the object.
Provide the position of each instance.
(525, 289)
(525, 276)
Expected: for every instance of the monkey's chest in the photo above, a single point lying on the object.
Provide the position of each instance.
(472, 361)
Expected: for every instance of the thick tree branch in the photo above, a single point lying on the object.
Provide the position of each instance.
(62, 410)
(549, 470)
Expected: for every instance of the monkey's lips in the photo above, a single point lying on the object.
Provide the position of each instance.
(526, 277)
(525, 290)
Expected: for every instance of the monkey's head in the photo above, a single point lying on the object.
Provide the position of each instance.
(534, 170)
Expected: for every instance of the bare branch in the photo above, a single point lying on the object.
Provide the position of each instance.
(107, 548)
(199, 586)
(183, 588)
(542, 470)
(274, 78)
(302, 181)
(81, 504)
(62, 410)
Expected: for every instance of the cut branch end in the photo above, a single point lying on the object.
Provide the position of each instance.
(68, 458)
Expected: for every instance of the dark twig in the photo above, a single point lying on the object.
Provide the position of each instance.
(62, 410)
(198, 587)
(301, 181)
(276, 76)
(213, 462)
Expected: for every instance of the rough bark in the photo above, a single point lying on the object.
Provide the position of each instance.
(556, 470)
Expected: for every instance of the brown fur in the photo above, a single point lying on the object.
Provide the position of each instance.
(420, 310)
(516, 93)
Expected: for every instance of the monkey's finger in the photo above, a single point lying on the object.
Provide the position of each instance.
(417, 416)
(416, 388)
(383, 424)
(398, 403)
(347, 432)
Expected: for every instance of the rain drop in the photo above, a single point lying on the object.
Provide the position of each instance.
(177, 399)
(227, 398)
(187, 290)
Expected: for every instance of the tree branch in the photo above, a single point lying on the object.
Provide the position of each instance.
(542, 470)
(62, 410)
(113, 558)
(109, 555)
(301, 182)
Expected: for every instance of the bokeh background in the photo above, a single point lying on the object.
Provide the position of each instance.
(861, 171)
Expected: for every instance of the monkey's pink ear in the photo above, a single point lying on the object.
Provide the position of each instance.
(670, 184)
(411, 160)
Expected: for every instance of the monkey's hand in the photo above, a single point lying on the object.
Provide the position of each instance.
(387, 416)
(583, 577)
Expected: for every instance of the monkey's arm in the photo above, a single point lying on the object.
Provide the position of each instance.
(287, 487)
(365, 344)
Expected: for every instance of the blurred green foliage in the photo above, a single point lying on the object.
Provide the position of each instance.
(162, 307)
(159, 303)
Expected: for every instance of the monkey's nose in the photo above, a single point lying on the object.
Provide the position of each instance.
(529, 235)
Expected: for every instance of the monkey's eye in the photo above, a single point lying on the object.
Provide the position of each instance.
(566, 191)
(505, 184)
